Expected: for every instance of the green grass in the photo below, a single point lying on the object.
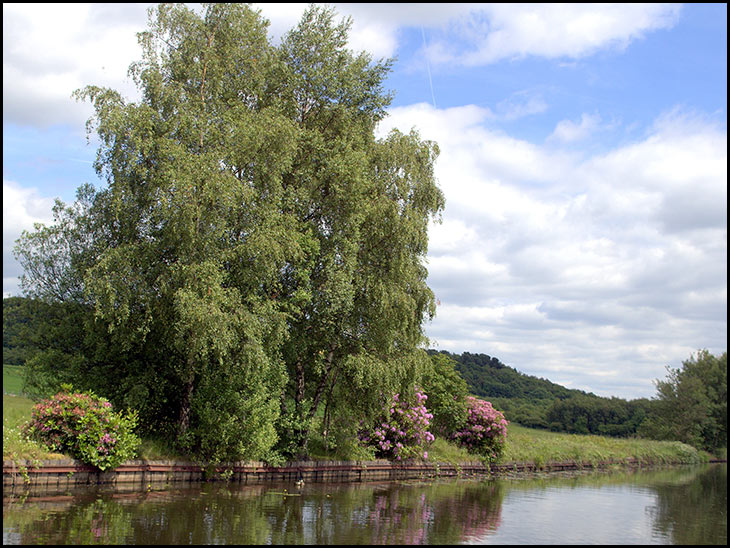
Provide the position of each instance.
(541, 447)
(13, 379)
(16, 412)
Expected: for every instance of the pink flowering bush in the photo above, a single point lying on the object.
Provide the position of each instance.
(402, 432)
(84, 426)
(484, 431)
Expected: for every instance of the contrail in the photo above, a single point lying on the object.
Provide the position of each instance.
(428, 66)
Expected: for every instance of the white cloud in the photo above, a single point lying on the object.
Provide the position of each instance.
(51, 50)
(282, 16)
(520, 104)
(494, 32)
(568, 131)
(22, 208)
(541, 257)
(676, 177)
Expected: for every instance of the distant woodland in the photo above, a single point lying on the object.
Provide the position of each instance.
(540, 403)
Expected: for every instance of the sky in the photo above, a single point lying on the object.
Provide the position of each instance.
(583, 158)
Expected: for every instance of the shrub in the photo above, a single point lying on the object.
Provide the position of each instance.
(447, 392)
(485, 429)
(402, 432)
(84, 426)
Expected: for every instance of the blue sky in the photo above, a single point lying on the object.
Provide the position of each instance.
(583, 160)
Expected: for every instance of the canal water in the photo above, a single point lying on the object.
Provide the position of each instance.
(678, 505)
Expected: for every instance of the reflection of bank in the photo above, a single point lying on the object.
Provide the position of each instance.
(692, 509)
(63, 474)
(438, 513)
(408, 512)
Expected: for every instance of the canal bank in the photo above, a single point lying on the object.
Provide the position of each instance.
(59, 474)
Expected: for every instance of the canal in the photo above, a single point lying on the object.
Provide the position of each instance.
(674, 505)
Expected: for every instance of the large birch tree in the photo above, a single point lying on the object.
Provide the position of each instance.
(256, 246)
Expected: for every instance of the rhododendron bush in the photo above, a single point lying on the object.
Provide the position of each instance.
(84, 426)
(485, 429)
(402, 432)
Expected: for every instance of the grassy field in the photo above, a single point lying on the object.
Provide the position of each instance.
(541, 446)
(16, 412)
(523, 444)
(12, 379)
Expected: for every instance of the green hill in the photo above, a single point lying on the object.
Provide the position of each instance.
(490, 378)
(540, 403)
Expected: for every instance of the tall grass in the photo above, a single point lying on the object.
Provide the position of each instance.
(13, 379)
(541, 447)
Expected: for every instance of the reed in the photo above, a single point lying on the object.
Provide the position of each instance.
(541, 447)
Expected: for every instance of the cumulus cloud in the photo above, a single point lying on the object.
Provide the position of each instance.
(51, 51)
(539, 254)
(22, 208)
(568, 131)
(495, 32)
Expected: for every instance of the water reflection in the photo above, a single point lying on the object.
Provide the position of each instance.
(684, 506)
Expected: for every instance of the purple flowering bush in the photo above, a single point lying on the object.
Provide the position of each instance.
(484, 431)
(402, 432)
(84, 426)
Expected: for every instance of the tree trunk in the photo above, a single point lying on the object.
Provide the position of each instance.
(183, 423)
(301, 431)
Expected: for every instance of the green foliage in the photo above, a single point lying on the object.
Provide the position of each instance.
(85, 426)
(47, 337)
(691, 403)
(487, 377)
(54, 258)
(594, 415)
(356, 295)
(539, 403)
(16, 326)
(447, 392)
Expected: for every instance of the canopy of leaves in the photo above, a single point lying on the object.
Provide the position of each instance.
(691, 403)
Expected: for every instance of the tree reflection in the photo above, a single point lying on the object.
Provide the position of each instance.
(694, 509)
(691, 508)
(395, 513)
